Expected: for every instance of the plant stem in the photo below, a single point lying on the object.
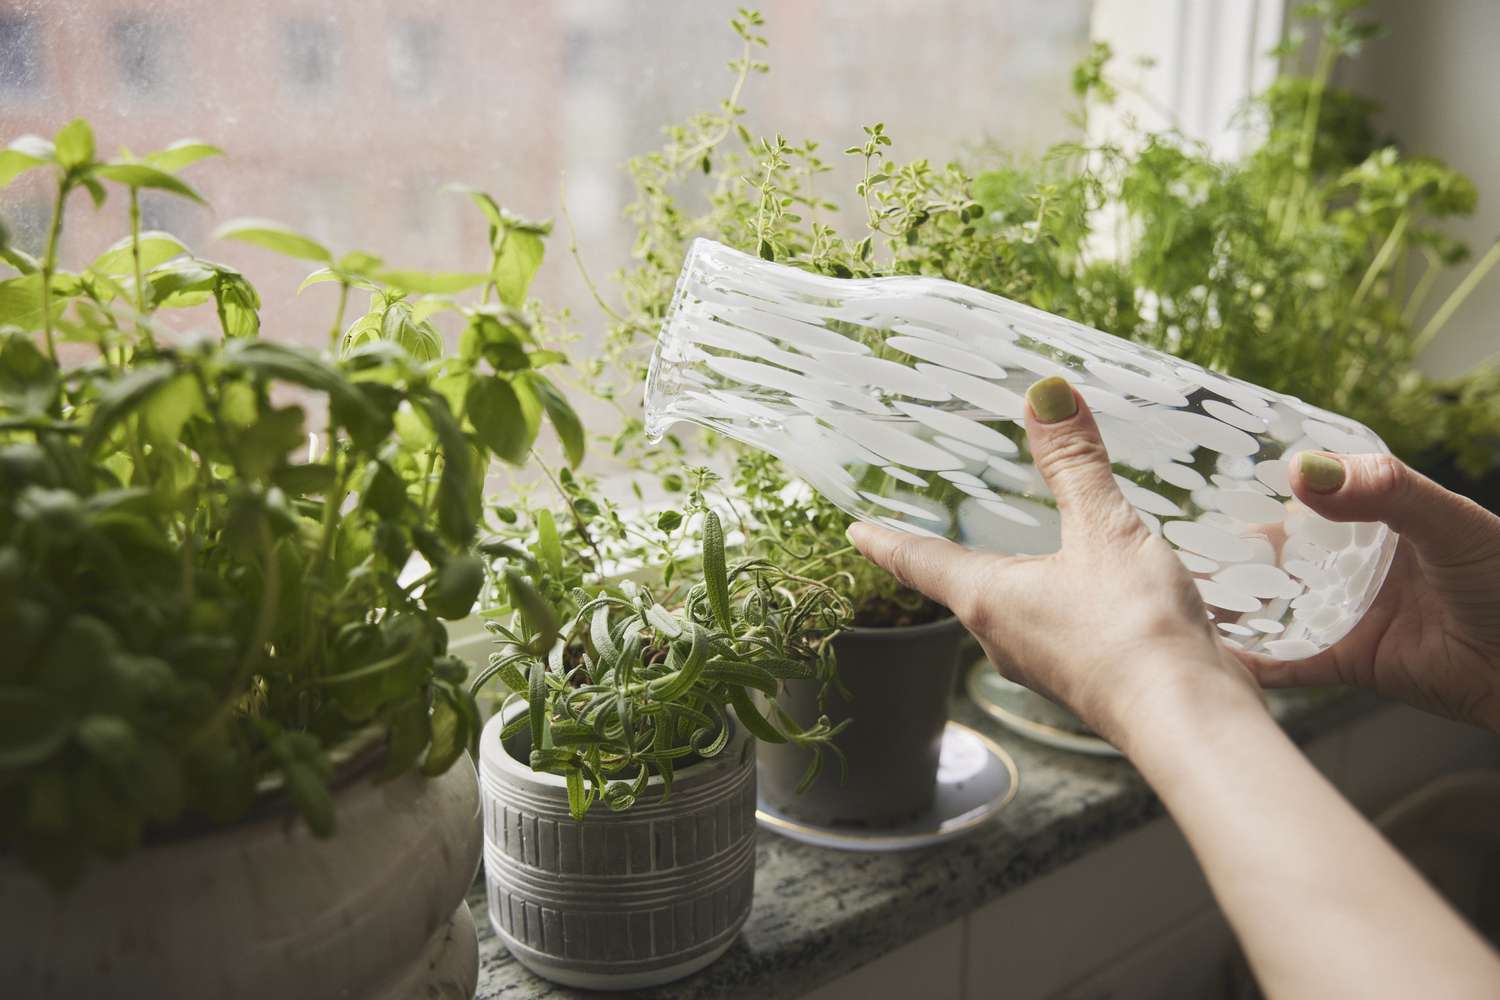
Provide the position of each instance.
(1422, 287)
(495, 252)
(135, 256)
(583, 272)
(49, 265)
(1456, 298)
(577, 518)
(1382, 258)
(337, 333)
(1292, 210)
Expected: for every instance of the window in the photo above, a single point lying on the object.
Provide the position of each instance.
(310, 51)
(20, 60)
(26, 219)
(346, 119)
(137, 44)
(412, 54)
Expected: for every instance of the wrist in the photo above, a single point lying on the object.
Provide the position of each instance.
(1181, 701)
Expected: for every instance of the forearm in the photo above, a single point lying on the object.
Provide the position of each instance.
(1322, 904)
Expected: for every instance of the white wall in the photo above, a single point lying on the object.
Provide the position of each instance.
(1437, 74)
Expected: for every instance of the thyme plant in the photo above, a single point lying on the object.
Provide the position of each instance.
(1306, 266)
(196, 612)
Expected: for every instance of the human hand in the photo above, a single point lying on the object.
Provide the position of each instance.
(1432, 636)
(1111, 625)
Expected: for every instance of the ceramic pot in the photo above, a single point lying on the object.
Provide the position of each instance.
(622, 900)
(266, 909)
(899, 680)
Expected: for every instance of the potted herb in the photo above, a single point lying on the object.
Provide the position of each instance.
(897, 664)
(619, 774)
(216, 661)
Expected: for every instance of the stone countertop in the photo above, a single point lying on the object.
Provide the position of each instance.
(820, 913)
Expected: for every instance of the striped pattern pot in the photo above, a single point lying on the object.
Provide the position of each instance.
(621, 900)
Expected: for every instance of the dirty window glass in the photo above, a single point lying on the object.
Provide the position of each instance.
(346, 119)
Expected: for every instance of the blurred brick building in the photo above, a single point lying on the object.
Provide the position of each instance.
(345, 119)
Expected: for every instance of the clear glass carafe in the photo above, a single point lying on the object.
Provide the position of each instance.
(901, 400)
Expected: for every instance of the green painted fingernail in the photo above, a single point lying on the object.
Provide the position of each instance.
(1052, 399)
(1321, 473)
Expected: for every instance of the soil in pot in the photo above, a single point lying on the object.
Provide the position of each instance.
(621, 900)
(899, 681)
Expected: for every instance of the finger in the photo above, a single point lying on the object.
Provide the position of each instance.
(1442, 525)
(1318, 670)
(941, 569)
(1069, 453)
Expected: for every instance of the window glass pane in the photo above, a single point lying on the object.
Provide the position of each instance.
(346, 119)
(20, 58)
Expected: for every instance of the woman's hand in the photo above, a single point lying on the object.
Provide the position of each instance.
(1111, 624)
(1432, 637)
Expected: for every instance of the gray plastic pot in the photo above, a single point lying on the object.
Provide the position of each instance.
(900, 680)
(266, 909)
(622, 900)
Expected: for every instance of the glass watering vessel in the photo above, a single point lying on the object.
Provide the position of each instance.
(900, 399)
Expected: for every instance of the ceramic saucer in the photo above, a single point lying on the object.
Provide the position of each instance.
(975, 779)
(1028, 714)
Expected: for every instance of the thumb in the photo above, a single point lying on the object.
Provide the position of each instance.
(1069, 453)
(937, 567)
(1441, 524)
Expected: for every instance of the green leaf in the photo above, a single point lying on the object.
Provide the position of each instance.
(493, 409)
(457, 511)
(549, 547)
(715, 576)
(121, 398)
(408, 729)
(26, 153)
(352, 407)
(455, 588)
(661, 619)
(169, 408)
(578, 797)
(430, 282)
(28, 381)
(534, 610)
(322, 274)
(139, 175)
(536, 700)
(448, 734)
(668, 520)
(486, 204)
(32, 727)
(275, 237)
(21, 301)
(237, 303)
(750, 717)
(305, 769)
(569, 428)
(156, 249)
(673, 686)
(74, 144)
(520, 257)
(180, 154)
(180, 283)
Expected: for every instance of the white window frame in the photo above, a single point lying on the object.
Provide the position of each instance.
(1209, 58)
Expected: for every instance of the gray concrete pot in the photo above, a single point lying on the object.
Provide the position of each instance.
(900, 680)
(622, 900)
(265, 909)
